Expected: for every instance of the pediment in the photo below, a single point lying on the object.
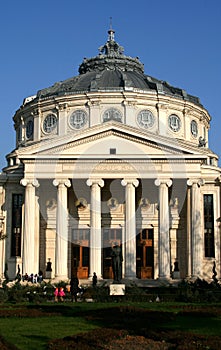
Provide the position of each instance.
(110, 139)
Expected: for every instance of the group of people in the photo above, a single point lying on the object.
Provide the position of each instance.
(75, 290)
(34, 278)
(59, 294)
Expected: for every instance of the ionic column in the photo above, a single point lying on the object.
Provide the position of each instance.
(196, 234)
(188, 233)
(163, 231)
(61, 249)
(29, 248)
(130, 225)
(95, 223)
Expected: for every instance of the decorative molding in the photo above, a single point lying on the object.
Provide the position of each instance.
(199, 182)
(64, 182)
(128, 181)
(113, 161)
(159, 182)
(92, 181)
(123, 135)
(33, 182)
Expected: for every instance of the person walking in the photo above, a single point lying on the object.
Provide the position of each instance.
(94, 280)
(56, 292)
(61, 294)
(74, 288)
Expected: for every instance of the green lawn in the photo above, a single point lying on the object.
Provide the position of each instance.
(33, 331)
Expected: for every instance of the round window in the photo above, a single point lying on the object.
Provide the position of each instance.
(50, 123)
(78, 119)
(174, 122)
(194, 128)
(29, 129)
(145, 119)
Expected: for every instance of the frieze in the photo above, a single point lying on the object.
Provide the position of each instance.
(142, 162)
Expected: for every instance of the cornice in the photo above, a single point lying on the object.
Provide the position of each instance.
(72, 161)
(104, 134)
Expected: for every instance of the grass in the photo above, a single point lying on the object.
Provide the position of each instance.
(30, 326)
(196, 324)
(34, 333)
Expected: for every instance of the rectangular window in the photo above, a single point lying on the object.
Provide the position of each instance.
(79, 235)
(17, 201)
(112, 150)
(112, 234)
(208, 226)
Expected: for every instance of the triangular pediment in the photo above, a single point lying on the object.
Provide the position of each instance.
(110, 139)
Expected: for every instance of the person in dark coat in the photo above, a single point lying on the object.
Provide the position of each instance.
(94, 279)
(117, 259)
(74, 288)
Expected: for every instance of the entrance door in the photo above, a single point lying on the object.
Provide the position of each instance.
(80, 253)
(144, 247)
(110, 238)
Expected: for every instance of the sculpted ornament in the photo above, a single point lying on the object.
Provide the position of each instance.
(61, 182)
(199, 182)
(159, 182)
(33, 182)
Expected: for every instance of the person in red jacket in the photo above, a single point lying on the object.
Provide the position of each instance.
(61, 294)
(56, 292)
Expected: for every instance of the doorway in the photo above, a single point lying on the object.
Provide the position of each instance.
(80, 253)
(145, 256)
(111, 236)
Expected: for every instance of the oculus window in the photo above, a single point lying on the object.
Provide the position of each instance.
(145, 119)
(49, 123)
(194, 128)
(174, 122)
(78, 119)
(29, 128)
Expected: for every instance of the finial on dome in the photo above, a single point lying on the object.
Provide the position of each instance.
(111, 32)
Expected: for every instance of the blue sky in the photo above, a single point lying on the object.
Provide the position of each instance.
(45, 41)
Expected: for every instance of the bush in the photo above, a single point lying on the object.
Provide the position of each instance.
(199, 291)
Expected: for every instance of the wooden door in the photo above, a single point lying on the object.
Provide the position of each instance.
(80, 253)
(110, 238)
(145, 257)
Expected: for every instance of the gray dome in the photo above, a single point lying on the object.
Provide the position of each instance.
(112, 70)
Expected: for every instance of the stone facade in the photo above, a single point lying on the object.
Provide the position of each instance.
(111, 156)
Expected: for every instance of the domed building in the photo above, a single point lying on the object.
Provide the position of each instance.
(111, 157)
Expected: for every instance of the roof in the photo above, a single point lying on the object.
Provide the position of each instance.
(112, 70)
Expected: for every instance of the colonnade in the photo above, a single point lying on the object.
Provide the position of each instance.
(129, 246)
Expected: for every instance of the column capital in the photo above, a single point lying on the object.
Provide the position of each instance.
(99, 182)
(64, 182)
(167, 182)
(198, 182)
(33, 182)
(126, 181)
